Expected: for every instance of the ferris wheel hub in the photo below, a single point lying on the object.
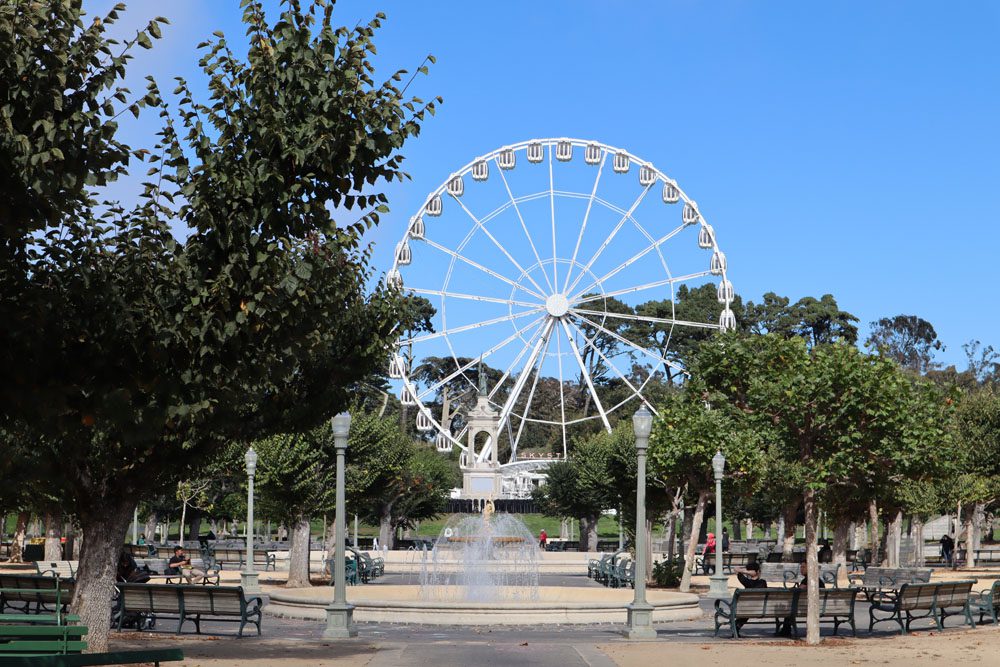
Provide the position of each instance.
(557, 305)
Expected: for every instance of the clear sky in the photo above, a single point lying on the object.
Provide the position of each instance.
(847, 148)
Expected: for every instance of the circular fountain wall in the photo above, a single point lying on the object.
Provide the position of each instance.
(483, 570)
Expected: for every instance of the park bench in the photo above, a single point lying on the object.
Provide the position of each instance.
(623, 574)
(221, 556)
(599, 569)
(21, 592)
(190, 603)
(934, 599)
(987, 602)
(142, 550)
(609, 566)
(774, 605)
(57, 639)
(370, 568)
(64, 569)
(788, 574)
(350, 570)
(733, 560)
(880, 584)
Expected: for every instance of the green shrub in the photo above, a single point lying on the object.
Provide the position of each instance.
(667, 573)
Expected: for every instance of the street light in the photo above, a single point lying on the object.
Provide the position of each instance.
(249, 577)
(718, 583)
(640, 612)
(339, 614)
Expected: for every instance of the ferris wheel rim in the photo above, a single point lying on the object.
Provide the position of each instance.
(537, 326)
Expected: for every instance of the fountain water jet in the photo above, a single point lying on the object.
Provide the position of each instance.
(487, 558)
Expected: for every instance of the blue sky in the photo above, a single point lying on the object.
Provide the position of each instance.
(844, 148)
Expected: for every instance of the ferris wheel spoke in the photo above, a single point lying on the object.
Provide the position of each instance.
(476, 265)
(522, 379)
(614, 232)
(586, 217)
(531, 395)
(517, 359)
(634, 258)
(645, 318)
(580, 299)
(625, 341)
(470, 297)
(482, 227)
(562, 396)
(467, 327)
(440, 383)
(520, 217)
(595, 348)
(586, 375)
(552, 207)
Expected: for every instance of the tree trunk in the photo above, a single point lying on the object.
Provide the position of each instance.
(686, 522)
(737, 530)
(648, 556)
(195, 531)
(105, 531)
(53, 531)
(588, 533)
(970, 555)
(386, 534)
(841, 534)
(894, 534)
(873, 526)
(72, 550)
(788, 542)
(180, 529)
(749, 529)
(978, 519)
(699, 514)
(812, 570)
(17, 544)
(330, 543)
(918, 541)
(298, 555)
(671, 535)
(150, 530)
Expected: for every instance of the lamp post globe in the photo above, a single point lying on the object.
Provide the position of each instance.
(640, 612)
(340, 614)
(249, 578)
(718, 587)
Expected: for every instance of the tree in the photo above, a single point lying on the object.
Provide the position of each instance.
(296, 477)
(192, 493)
(978, 421)
(687, 433)
(580, 488)
(909, 340)
(393, 481)
(132, 357)
(840, 420)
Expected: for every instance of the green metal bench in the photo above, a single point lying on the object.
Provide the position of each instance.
(190, 603)
(987, 602)
(64, 569)
(350, 570)
(22, 592)
(933, 599)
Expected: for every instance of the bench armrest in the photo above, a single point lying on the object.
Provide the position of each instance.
(723, 608)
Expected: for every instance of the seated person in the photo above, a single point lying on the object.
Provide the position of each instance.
(825, 554)
(128, 571)
(749, 576)
(786, 626)
(180, 564)
(708, 555)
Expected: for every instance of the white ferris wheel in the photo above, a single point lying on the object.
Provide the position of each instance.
(538, 258)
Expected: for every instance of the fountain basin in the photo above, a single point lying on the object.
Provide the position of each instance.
(555, 605)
